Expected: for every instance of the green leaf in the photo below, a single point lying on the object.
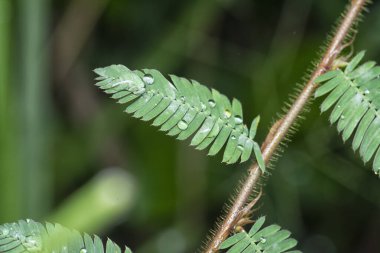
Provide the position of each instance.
(258, 240)
(231, 145)
(183, 108)
(31, 236)
(354, 62)
(253, 129)
(362, 70)
(232, 240)
(354, 96)
(259, 157)
(220, 140)
(203, 131)
(161, 106)
(376, 162)
(362, 128)
(354, 121)
(327, 76)
(256, 227)
(247, 150)
(342, 104)
(333, 97)
(331, 84)
(150, 105)
(371, 140)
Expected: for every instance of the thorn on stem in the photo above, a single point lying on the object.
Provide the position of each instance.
(244, 217)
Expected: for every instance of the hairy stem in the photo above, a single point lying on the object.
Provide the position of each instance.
(279, 130)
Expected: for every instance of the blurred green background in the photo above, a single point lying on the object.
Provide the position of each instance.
(68, 154)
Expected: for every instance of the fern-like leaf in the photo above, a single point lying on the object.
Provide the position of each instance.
(354, 95)
(271, 239)
(182, 108)
(31, 236)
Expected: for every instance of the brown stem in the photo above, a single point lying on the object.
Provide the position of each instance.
(279, 130)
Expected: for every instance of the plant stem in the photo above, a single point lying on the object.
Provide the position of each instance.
(281, 128)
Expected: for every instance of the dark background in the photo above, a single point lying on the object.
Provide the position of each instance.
(68, 154)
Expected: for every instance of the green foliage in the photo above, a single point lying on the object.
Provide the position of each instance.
(271, 239)
(30, 236)
(181, 107)
(356, 95)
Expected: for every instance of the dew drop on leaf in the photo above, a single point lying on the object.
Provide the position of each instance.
(203, 107)
(182, 125)
(263, 240)
(19, 236)
(240, 147)
(227, 114)
(238, 120)
(366, 91)
(148, 79)
(5, 231)
(83, 251)
(211, 103)
(342, 117)
(233, 137)
(32, 244)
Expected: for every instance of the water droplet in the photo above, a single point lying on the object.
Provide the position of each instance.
(227, 114)
(28, 220)
(139, 91)
(338, 106)
(120, 82)
(203, 107)
(5, 231)
(83, 251)
(263, 240)
(342, 117)
(233, 137)
(148, 79)
(183, 99)
(240, 147)
(366, 91)
(238, 120)
(211, 103)
(182, 125)
(32, 244)
(18, 236)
